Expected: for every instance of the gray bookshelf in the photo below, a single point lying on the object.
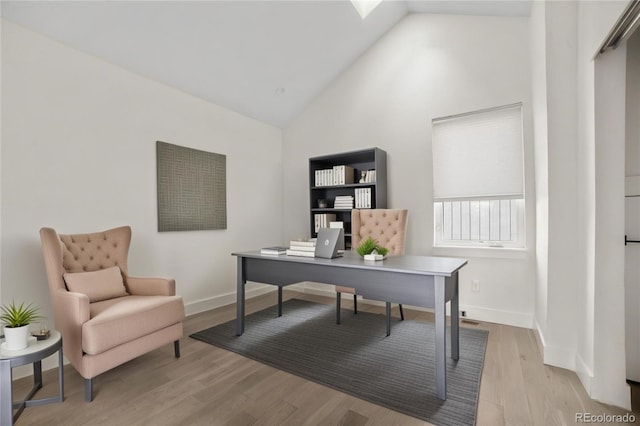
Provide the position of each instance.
(360, 161)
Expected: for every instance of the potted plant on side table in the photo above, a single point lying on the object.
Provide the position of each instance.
(16, 320)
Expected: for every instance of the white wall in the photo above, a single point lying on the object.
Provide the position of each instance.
(537, 24)
(600, 357)
(425, 67)
(579, 145)
(78, 154)
(554, 32)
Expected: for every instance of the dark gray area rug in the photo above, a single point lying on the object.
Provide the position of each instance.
(397, 372)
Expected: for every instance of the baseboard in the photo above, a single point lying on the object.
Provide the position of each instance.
(555, 355)
(515, 319)
(210, 303)
(584, 374)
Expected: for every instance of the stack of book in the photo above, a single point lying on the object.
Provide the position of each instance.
(276, 250)
(368, 176)
(337, 175)
(363, 198)
(343, 202)
(321, 220)
(305, 248)
(324, 177)
(342, 175)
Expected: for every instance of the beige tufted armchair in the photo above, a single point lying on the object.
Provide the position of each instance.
(106, 317)
(388, 227)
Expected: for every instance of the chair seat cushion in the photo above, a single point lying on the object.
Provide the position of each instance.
(117, 321)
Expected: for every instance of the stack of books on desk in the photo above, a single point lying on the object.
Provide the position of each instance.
(305, 248)
(276, 250)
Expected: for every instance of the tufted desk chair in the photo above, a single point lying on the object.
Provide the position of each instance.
(106, 317)
(388, 227)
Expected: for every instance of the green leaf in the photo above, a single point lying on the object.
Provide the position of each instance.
(17, 316)
(369, 245)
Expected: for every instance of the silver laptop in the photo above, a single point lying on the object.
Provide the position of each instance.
(328, 242)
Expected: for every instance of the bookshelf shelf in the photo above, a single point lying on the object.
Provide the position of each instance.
(356, 162)
(348, 185)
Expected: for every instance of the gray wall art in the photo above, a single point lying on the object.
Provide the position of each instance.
(192, 189)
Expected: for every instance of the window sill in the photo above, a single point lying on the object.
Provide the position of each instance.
(486, 252)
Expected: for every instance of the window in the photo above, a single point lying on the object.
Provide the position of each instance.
(478, 179)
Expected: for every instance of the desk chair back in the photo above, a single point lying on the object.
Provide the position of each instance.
(388, 227)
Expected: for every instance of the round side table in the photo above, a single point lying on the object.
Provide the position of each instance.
(32, 354)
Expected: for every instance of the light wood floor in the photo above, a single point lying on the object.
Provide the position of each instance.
(210, 386)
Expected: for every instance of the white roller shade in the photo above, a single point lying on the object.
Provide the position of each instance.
(478, 154)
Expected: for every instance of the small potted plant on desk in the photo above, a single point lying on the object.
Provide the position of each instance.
(370, 250)
(16, 320)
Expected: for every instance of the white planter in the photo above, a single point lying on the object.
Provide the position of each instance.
(15, 338)
(374, 257)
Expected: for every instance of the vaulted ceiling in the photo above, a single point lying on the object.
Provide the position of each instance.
(264, 59)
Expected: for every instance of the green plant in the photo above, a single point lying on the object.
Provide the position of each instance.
(369, 245)
(17, 316)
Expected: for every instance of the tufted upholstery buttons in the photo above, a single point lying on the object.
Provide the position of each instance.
(90, 252)
(387, 226)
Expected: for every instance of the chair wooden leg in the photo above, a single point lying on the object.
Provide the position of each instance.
(388, 308)
(176, 348)
(401, 312)
(88, 390)
(338, 298)
(355, 304)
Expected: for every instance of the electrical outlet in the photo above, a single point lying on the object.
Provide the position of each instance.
(463, 313)
(475, 285)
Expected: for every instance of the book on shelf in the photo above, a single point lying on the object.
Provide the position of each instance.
(321, 220)
(343, 202)
(337, 175)
(370, 176)
(324, 177)
(276, 250)
(342, 175)
(363, 198)
(301, 253)
(336, 224)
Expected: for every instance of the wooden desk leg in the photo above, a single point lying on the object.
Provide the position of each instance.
(240, 298)
(6, 398)
(455, 321)
(441, 337)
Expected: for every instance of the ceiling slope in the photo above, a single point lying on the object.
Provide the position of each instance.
(263, 59)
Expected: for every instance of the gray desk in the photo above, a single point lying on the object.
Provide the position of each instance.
(424, 281)
(32, 354)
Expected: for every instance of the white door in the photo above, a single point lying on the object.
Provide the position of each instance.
(632, 287)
